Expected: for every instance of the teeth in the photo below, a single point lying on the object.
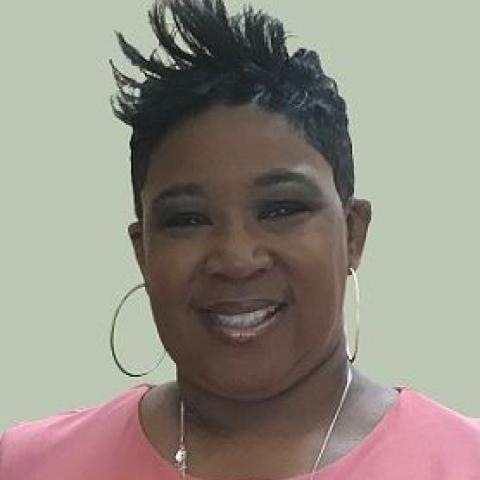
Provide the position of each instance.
(244, 319)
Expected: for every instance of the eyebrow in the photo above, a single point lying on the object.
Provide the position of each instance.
(274, 177)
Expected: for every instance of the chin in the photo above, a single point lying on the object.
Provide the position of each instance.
(247, 384)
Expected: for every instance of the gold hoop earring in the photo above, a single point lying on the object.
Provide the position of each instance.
(357, 318)
(112, 342)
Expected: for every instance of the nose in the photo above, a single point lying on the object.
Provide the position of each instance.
(236, 253)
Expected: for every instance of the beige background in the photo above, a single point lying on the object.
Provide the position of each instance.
(409, 72)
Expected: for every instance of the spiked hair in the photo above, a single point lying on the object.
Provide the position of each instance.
(230, 60)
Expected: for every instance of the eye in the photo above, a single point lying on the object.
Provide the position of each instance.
(276, 210)
(187, 219)
(283, 209)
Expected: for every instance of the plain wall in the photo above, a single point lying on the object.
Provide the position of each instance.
(409, 73)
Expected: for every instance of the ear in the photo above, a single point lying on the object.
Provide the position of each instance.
(135, 232)
(359, 214)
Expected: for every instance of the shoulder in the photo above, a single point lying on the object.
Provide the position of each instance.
(419, 438)
(27, 445)
(438, 417)
(428, 426)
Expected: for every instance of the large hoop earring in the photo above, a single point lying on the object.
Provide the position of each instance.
(112, 342)
(352, 358)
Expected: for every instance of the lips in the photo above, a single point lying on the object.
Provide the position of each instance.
(245, 327)
(235, 307)
(242, 320)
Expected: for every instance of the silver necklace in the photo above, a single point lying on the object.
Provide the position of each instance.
(181, 455)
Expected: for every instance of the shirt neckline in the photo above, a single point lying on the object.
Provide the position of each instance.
(329, 469)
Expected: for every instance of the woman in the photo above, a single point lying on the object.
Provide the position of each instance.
(246, 231)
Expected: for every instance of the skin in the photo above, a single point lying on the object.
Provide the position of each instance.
(244, 402)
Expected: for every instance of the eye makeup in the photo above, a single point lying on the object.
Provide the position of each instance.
(279, 190)
(263, 210)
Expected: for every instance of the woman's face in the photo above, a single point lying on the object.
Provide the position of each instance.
(263, 221)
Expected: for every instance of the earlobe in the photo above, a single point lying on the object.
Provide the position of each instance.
(135, 232)
(358, 221)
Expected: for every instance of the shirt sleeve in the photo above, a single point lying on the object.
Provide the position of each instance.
(2, 445)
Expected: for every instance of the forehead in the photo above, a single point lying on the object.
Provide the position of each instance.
(232, 145)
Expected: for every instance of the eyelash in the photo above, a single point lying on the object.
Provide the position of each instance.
(294, 208)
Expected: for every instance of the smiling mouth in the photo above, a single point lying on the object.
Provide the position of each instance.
(242, 328)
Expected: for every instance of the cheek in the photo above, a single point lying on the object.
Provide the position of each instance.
(318, 278)
(316, 295)
(170, 277)
(170, 271)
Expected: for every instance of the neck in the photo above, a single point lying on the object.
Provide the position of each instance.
(316, 395)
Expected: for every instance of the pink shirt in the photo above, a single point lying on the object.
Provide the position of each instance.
(417, 438)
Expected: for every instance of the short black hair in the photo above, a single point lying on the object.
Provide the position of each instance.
(229, 60)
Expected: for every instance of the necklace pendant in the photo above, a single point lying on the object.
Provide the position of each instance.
(181, 458)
